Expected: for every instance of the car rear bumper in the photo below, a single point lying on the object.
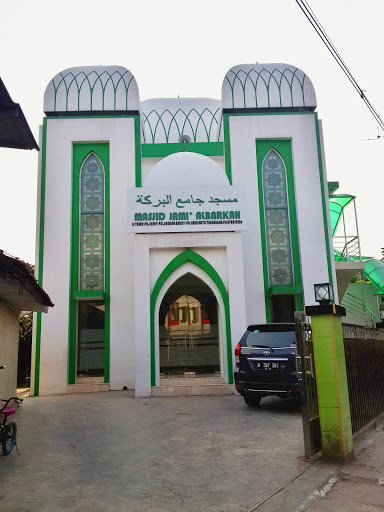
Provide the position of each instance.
(267, 389)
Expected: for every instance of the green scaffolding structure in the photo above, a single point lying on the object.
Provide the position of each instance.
(337, 204)
(374, 269)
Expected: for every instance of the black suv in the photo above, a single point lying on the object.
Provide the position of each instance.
(265, 363)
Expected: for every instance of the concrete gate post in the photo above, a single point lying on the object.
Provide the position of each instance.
(332, 386)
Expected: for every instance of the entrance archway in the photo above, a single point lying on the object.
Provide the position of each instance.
(189, 329)
(190, 261)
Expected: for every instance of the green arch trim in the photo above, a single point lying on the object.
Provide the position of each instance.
(80, 152)
(190, 256)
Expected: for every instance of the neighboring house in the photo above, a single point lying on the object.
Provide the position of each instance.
(14, 129)
(19, 291)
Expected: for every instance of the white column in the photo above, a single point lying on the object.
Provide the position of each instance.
(142, 316)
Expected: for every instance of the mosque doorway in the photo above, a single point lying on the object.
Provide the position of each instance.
(283, 308)
(189, 330)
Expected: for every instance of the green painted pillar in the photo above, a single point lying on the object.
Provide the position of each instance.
(332, 385)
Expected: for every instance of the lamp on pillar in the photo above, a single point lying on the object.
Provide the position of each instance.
(324, 293)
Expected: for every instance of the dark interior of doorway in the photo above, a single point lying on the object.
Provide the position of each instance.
(90, 342)
(283, 308)
(24, 352)
(188, 329)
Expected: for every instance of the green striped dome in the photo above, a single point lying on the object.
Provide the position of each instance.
(266, 86)
(92, 88)
(172, 120)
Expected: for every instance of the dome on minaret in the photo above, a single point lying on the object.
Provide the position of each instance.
(266, 86)
(92, 88)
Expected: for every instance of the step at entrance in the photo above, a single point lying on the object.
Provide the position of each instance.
(88, 385)
(193, 386)
(190, 381)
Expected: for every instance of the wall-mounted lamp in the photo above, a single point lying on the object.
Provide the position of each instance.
(184, 139)
(324, 293)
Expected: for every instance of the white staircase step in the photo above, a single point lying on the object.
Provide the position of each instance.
(190, 381)
(89, 380)
(91, 387)
(194, 390)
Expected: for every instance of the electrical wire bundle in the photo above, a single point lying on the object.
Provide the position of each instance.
(310, 15)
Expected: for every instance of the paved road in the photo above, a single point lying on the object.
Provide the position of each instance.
(360, 486)
(109, 452)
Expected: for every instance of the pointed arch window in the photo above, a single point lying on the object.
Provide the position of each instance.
(276, 213)
(91, 219)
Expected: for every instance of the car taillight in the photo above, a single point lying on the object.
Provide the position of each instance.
(237, 353)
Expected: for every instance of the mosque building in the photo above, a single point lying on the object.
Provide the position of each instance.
(166, 226)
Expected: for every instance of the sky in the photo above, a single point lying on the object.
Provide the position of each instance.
(179, 47)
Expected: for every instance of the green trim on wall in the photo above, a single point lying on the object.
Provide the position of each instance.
(190, 256)
(268, 316)
(227, 139)
(41, 255)
(203, 148)
(137, 152)
(80, 152)
(117, 116)
(324, 200)
(89, 294)
(284, 149)
(283, 290)
(137, 136)
(227, 147)
(280, 113)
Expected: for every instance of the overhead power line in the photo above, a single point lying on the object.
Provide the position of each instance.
(310, 15)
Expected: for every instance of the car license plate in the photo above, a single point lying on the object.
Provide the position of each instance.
(268, 365)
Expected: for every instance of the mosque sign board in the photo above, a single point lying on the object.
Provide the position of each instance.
(178, 209)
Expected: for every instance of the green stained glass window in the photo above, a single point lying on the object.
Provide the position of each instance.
(278, 237)
(92, 225)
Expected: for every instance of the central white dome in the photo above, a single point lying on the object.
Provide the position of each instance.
(186, 170)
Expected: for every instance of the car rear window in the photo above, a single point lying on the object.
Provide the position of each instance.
(256, 338)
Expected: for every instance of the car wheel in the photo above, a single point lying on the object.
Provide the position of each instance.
(252, 400)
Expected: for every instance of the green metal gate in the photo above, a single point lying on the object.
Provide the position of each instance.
(306, 374)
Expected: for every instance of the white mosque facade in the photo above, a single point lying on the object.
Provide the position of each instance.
(166, 226)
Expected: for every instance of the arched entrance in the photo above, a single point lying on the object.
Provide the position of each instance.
(189, 329)
(189, 261)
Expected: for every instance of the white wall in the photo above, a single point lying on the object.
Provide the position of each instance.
(301, 128)
(61, 133)
(138, 260)
(37, 261)
(326, 193)
(9, 349)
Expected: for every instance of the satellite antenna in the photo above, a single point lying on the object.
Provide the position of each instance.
(378, 136)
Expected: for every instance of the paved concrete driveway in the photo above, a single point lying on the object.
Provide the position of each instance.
(110, 452)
